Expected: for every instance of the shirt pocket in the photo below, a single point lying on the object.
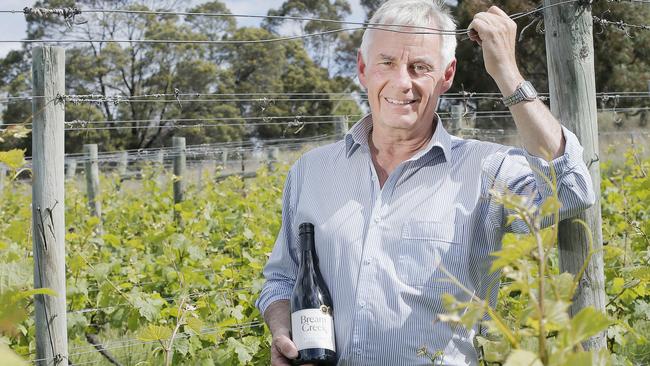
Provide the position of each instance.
(424, 247)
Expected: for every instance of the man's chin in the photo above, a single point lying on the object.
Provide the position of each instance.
(402, 123)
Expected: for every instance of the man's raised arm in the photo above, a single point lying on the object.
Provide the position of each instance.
(540, 132)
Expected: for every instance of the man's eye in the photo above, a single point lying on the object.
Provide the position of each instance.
(421, 68)
(387, 63)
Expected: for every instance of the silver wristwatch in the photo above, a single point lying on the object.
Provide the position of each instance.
(525, 91)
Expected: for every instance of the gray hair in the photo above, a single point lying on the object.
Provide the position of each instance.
(419, 13)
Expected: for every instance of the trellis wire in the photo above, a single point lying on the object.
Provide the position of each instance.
(295, 120)
(259, 97)
(136, 342)
(70, 13)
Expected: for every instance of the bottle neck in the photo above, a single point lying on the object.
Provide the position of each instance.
(308, 249)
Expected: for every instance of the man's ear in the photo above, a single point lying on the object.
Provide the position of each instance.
(448, 76)
(361, 69)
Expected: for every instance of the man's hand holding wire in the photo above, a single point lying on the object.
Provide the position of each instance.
(496, 32)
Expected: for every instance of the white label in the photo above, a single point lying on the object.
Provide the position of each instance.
(313, 328)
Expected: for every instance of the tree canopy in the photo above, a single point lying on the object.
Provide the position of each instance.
(248, 84)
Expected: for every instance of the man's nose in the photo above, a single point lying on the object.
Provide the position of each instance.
(402, 78)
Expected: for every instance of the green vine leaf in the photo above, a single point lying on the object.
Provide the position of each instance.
(155, 333)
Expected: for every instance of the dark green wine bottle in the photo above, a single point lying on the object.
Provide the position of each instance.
(312, 322)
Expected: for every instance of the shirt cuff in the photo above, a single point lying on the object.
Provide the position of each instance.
(271, 293)
(566, 163)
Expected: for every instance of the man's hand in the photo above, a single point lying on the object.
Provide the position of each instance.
(540, 132)
(277, 317)
(282, 350)
(497, 33)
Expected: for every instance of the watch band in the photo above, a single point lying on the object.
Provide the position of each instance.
(524, 92)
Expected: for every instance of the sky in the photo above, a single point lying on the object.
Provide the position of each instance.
(13, 26)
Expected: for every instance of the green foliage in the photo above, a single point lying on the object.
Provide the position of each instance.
(530, 261)
(15, 292)
(186, 293)
(534, 327)
(178, 294)
(13, 159)
(626, 230)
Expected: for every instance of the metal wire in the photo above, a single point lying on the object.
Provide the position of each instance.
(136, 342)
(363, 25)
(272, 96)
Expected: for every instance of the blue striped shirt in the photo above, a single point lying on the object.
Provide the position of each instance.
(380, 248)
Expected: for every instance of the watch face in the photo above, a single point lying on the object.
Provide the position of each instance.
(529, 91)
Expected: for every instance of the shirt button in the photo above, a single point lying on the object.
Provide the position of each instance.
(377, 218)
(358, 351)
(362, 303)
(366, 261)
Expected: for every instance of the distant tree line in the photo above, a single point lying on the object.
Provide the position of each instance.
(322, 64)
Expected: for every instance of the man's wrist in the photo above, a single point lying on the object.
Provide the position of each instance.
(278, 318)
(525, 92)
(508, 85)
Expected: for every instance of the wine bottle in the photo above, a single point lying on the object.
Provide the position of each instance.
(312, 322)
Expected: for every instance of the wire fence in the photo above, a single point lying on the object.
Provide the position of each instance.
(70, 14)
(272, 97)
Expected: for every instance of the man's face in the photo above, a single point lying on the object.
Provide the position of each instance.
(404, 76)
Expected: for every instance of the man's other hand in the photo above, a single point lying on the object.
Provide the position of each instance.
(496, 33)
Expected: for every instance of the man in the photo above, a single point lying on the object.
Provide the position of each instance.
(399, 196)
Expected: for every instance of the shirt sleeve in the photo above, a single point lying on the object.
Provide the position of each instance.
(282, 267)
(525, 174)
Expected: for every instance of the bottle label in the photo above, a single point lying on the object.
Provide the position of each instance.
(313, 328)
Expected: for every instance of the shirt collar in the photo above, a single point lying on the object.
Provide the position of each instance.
(358, 136)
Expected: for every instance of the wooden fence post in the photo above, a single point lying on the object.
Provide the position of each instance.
(570, 56)
(48, 200)
(273, 156)
(341, 127)
(179, 168)
(92, 179)
(71, 169)
(160, 159)
(122, 164)
(199, 174)
(242, 160)
(160, 167)
(224, 159)
(456, 123)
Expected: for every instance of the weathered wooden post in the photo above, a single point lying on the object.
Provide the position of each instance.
(242, 163)
(48, 200)
(199, 174)
(273, 156)
(570, 56)
(160, 159)
(71, 169)
(456, 123)
(341, 127)
(224, 159)
(179, 168)
(92, 179)
(122, 163)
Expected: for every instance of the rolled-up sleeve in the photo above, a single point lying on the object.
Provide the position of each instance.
(526, 174)
(282, 266)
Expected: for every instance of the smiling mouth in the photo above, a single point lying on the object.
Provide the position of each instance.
(400, 102)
